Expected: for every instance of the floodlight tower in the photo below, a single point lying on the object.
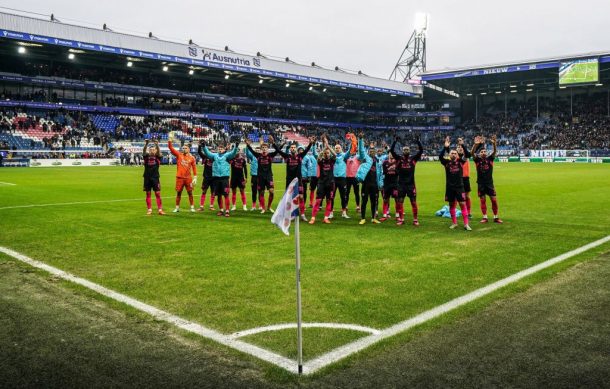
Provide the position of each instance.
(412, 61)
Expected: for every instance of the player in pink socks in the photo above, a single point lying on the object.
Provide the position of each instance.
(152, 161)
(326, 182)
(454, 186)
(485, 181)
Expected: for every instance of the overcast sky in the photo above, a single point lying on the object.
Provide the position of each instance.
(358, 35)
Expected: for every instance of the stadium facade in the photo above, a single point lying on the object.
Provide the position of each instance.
(74, 75)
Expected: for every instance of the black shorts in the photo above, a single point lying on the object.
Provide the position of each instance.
(265, 184)
(151, 183)
(325, 190)
(452, 194)
(487, 190)
(238, 182)
(221, 186)
(407, 191)
(305, 180)
(340, 181)
(369, 188)
(208, 182)
(289, 180)
(466, 181)
(390, 191)
(313, 183)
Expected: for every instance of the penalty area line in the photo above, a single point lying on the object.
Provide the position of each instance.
(7, 183)
(362, 343)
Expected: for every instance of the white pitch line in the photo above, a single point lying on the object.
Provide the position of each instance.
(76, 203)
(358, 345)
(7, 183)
(285, 326)
(158, 314)
(323, 360)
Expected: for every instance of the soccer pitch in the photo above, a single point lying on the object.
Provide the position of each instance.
(236, 274)
(579, 72)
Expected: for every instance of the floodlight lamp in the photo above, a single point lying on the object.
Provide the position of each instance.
(21, 50)
(421, 22)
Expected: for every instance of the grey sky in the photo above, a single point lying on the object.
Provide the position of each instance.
(359, 35)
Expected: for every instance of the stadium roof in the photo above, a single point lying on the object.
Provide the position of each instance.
(28, 29)
(538, 74)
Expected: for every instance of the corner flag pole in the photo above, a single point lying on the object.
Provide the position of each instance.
(298, 276)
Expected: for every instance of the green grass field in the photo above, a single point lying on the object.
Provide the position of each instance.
(238, 273)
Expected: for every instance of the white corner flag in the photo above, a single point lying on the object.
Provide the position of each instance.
(288, 208)
(286, 211)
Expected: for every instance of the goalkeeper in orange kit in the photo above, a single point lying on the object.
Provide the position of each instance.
(185, 162)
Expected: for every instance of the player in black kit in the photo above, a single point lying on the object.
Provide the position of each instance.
(152, 160)
(265, 174)
(485, 181)
(326, 182)
(208, 179)
(454, 187)
(406, 180)
(294, 160)
(239, 175)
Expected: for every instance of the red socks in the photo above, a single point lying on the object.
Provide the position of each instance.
(148, 201)
(243, 198)
(233, 197)
(202, 200)
(494, 206)
(483, 206)
(270, 200)
(261, 201)
(302, 206)
(158, 198)
(464, 210)
(311, 197)
(386, 207)
(400, 208)
(178, 198)
(452, 213)
(227, 203)
(414, 209)
(329, 208)
(468, 205)
(212, 197)
(316, 207)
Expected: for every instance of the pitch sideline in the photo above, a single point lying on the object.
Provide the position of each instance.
(76, 203)
(326, 359)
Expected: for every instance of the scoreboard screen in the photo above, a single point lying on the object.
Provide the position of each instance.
(579, 71)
